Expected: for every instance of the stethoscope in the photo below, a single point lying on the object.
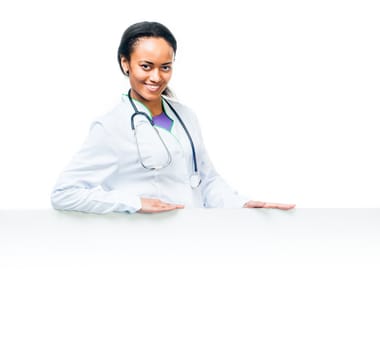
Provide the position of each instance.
(195, 178)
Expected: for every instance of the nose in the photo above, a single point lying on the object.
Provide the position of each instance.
(155, 75)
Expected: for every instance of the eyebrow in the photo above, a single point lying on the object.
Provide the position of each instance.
(162, 64)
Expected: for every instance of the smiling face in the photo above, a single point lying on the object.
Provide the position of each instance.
(149, 70)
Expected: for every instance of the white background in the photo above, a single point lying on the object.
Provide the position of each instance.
(287, 92)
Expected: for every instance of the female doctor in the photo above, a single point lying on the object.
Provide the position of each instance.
(147, 154)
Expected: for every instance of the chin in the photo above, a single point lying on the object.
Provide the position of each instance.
(150, 95)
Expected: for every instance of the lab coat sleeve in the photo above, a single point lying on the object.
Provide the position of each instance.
(216, 192)
(81, 185)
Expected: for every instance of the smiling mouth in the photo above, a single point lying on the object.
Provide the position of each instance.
(152, 88)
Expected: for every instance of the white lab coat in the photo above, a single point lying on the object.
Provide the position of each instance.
(106, 174)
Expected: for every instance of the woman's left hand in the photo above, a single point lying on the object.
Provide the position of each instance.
(257, 204)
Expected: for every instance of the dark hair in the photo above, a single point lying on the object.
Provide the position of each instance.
(142, 30)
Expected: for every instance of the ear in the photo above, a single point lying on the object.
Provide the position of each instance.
(125, 65)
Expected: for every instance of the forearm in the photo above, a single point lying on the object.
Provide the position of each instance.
(218, 194)
(94, 200)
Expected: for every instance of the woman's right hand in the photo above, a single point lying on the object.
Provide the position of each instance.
(151, 205)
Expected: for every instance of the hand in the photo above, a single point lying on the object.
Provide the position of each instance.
(151, 205)
(256, 204)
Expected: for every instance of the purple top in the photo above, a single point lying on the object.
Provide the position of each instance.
(163, 121)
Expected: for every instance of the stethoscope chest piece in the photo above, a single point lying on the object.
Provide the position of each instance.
(195, 180)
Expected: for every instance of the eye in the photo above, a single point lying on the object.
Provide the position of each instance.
(166, 68)
(145, 66)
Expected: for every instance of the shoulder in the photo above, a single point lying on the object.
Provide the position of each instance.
(188, 117)
(181, 108)
(116, 113)
(116, 119)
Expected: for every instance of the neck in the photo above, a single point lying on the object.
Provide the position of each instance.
(155, 106)
(155, 109)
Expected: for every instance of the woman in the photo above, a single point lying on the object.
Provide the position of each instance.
(128, 165)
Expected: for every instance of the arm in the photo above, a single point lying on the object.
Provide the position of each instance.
(217, 193)
(81, 185)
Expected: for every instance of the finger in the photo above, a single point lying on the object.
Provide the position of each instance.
(157, 206)
(156, 209)
(254, 204)
(165, 208)
(258, 204)
(171, 205)
(279, 206)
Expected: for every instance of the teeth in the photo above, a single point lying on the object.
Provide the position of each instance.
(152, 87)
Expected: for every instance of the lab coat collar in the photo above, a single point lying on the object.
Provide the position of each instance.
(142, 108)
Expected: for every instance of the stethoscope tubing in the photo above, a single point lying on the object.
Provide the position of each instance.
(137, 112)
(187, 133)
